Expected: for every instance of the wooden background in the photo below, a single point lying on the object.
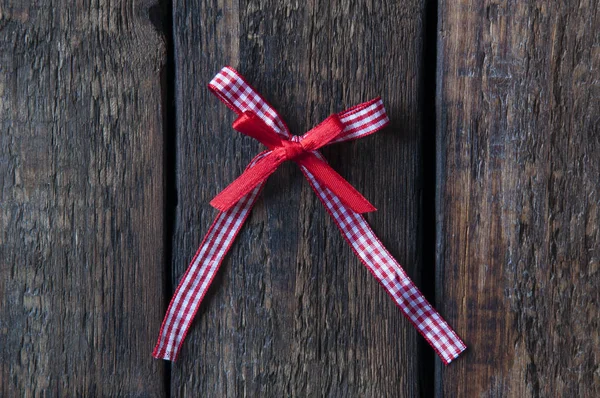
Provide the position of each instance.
(487, 184)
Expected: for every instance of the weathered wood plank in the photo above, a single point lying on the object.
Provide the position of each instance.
(293, 312)
(81, 199)
(519, 246)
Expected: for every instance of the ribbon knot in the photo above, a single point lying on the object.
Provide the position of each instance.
(257, 119)
(292, 149)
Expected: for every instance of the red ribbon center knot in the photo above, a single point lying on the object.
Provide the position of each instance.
(293, 150)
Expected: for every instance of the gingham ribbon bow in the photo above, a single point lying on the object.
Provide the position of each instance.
(257, 119)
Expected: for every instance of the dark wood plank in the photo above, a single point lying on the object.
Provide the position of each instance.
(293, 312)
(81, 199)
(519, 197)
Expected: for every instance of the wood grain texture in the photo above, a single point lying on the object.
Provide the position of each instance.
(519, 203)
(81, 199)
(292, 312)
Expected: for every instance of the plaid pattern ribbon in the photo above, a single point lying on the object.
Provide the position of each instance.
(259, 120)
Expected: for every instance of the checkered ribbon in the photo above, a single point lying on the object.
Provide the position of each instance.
(258, 119)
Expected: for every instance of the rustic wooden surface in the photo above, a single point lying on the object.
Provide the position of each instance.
(519, 196)
(293, 312)
(111, 148)
(81, 199)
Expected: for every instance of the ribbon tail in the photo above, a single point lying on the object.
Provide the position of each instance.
(247, 181)
(390, 275)
(200, 273)
(342, 189)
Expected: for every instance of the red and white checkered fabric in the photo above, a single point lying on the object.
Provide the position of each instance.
(359, 121)
(390, 275)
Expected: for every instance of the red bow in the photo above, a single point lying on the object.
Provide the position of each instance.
(299, 149)
(259, 120)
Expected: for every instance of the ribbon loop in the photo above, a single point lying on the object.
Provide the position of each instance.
(323, 133)
(345, 204)
(253, 126)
